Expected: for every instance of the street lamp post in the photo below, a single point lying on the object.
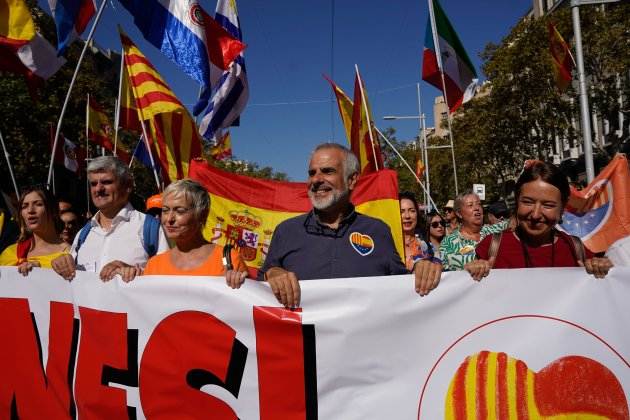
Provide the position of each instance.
(584, 108)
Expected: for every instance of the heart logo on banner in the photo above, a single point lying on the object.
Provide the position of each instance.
(495, 385)
(363, 244)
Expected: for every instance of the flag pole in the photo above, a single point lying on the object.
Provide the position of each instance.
(74, 77)
(367, 115)
(146, 142)
(117, 114)
(423, 139)
(408, 167)
(6, 156)
(438, 56)
(87, 149)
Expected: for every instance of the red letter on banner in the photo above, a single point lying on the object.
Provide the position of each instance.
(286, 365)
(106, 354)
(24, 390)
(186, 351)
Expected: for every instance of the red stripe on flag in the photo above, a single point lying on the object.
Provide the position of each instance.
(482, 383)
(521, 391)
(459, 391)
(131, 59)
(144, 77)
(502, 387)
(152, 97)
(176, 135)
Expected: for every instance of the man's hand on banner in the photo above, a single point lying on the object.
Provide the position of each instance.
(597, 266)
(64, 266)
(426, 276)
(126, 271)
(285, 286)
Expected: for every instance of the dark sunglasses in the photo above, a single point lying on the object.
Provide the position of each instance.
(436, 224)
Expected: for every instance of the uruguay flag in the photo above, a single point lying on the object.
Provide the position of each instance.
(187, 35)
(230, 96)
(71, 19)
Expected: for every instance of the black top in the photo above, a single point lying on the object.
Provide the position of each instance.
(362, 246)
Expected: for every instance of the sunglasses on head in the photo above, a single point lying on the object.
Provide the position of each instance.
(436, 224)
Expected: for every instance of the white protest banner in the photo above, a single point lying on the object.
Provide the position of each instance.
(535, 343)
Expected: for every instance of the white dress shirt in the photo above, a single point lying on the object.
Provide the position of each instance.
(124, 241)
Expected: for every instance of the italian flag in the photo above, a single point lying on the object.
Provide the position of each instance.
(460, 76)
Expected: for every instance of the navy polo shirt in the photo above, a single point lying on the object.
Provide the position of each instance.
(362, 246)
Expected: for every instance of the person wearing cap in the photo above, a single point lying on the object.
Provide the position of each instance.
(498, 212)
(450, 217)
(154, 206)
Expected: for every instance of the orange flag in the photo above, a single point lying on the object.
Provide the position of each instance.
(600, 213)
(345, 108)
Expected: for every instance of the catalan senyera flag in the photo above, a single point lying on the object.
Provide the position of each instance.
(345, 108)
(128, 117)
(494, 385)
(223, 149)
(176, 142)
(245, 211)
(170, 125)
(600, 213)
(368, 152)
(101, 131)
(561, 58)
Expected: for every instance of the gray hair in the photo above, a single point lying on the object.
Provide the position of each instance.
(459, 200)
(114, 165)
(194, 193)
(350, 161)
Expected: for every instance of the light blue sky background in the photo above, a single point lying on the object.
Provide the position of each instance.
(292, 42)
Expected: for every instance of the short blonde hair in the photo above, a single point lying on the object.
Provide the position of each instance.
(195, 193)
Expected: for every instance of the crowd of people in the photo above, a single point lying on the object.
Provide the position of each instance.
(332, 240)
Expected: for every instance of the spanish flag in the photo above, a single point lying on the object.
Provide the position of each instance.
(170, 125)
(561, 58)
(100, 130)
(345, 108)
(223, 149)
(245, 211)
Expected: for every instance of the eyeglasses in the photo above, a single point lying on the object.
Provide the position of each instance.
(448, 210)
(436, 224)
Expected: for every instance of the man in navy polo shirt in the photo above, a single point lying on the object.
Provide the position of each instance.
(332, 240)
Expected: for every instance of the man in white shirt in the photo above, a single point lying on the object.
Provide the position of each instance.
(114, 241)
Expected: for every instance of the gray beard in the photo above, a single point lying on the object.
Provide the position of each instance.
(330, 201)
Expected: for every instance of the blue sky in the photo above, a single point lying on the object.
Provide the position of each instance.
(292, 42)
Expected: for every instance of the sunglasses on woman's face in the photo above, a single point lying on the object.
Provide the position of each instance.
(434, 225)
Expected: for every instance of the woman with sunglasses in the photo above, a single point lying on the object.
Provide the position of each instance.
(39, 242)
(435, 232)
(541, 193)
